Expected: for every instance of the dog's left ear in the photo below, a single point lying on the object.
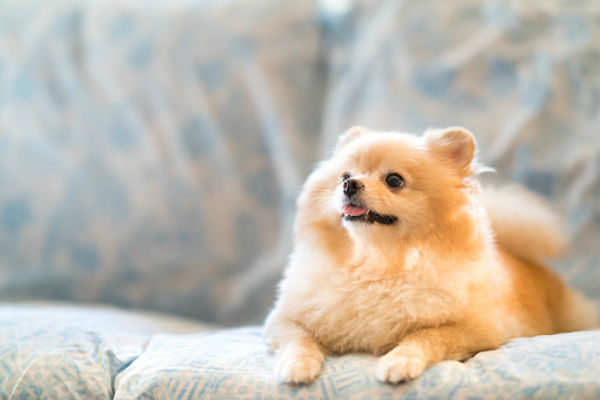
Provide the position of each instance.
(349, 136)
(455, 145)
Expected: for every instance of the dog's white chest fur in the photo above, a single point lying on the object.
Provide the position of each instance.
(363, 310)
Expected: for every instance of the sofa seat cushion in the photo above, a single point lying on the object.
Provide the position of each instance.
(64, 351)
(235, 363)
(56, 351)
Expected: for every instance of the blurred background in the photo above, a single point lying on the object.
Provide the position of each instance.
(151, 151)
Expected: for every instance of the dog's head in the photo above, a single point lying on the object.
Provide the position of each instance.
(390, 182)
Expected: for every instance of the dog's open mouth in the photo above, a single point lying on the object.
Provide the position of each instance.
(357, 212)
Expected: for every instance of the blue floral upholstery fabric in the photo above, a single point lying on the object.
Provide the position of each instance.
(200, 366)
(523, 76)
(151, 153)
(61, 351)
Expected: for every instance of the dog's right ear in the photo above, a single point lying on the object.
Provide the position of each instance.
(455, 145)
(349, 136)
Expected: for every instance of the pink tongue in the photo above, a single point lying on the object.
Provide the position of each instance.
(354, 210)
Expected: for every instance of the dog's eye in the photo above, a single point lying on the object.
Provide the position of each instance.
(345, 177)
(394, 181)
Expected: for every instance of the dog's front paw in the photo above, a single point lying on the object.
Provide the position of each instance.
(298, 365)
(397, 366)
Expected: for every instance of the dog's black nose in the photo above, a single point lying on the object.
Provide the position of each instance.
(351, 186)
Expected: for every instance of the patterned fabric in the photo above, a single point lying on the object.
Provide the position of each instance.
(54, 352)
(523, 76)
(150, 152)
(83, 353)
(235, 364)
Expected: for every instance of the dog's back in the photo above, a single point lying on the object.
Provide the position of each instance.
(526, 228)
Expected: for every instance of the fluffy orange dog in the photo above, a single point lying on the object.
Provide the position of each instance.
(399, 253)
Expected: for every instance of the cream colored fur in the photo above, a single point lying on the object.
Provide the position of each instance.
(457, 273)
(523, 223)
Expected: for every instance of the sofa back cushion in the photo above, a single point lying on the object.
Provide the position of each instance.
(150, 153)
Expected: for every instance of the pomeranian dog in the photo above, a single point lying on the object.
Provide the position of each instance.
(398, 252)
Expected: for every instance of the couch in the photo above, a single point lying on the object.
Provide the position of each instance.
(151, 153)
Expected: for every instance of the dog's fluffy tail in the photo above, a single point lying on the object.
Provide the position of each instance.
(578, 313)
(523, 223)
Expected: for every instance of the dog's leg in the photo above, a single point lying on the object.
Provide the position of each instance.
(425, 347)
(299, 356)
